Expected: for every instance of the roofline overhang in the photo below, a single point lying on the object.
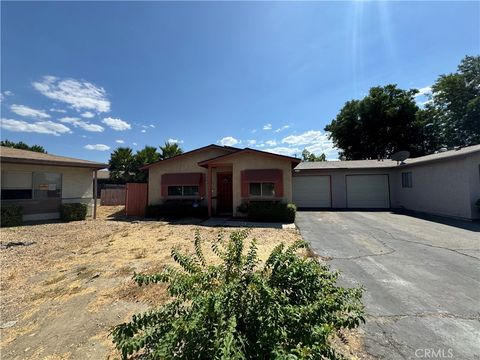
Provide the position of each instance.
(213, 161)
(95, 166)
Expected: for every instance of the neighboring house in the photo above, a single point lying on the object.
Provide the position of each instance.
(39, 182)
(446, 183)
(221, 178)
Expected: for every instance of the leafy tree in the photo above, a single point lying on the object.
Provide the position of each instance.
(122, 165)
(21, 145)
(170, 150)
(308, 156)
(454, 111)
(289, 308)
(144, 157)
(378, 125)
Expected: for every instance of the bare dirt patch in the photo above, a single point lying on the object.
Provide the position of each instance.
(64, 292)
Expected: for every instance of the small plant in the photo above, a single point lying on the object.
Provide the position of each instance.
(11, 215)
(73, 212)
(271, 211)
(288, 308)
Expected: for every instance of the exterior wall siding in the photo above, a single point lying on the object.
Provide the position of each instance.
(77, 186)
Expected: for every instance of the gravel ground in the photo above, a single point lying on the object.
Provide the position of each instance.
(64, 285)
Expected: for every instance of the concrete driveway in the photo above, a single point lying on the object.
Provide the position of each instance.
(421, 276)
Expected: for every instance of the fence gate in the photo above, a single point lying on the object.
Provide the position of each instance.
(112, 196)
(136, 199)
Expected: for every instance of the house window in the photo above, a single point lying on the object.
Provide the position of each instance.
(47, 185)
(262, 189)
(406, 179)
(16, 185)
(186, 190)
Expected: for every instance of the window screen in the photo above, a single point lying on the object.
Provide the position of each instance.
(255, 189)
(262, 189)
(47, 185)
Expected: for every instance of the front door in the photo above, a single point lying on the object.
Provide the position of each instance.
(224, 193)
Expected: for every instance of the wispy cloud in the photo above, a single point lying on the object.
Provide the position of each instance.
(271, 142)
(283, 150)
(284, 127)
(4, 94)
(117, 124)
(228, 141)
(98, 147)
(76, 122)
(251, 142)
(87, 114)
(62, 111)
(80, 95)
(313, 140)
(39, 127)
(175, 141)
(120, 141)
(152, 126)
(424, 91)
(26, 111)
(267, 127)
(143, 131)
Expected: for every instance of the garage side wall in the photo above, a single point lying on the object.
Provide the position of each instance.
(473, 168)
(441, 188)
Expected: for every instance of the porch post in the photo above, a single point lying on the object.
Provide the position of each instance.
(95, 194)
(209, 198)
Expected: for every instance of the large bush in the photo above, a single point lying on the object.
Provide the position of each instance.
(73, 212)
(176, 209)
(11, 215)
(271, 211)
(288, 308)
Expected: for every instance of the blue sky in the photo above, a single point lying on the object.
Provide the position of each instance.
(83, 78)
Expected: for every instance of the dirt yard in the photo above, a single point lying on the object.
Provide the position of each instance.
(64, 285)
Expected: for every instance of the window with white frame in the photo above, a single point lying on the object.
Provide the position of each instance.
(407, 180)
(183, 190)
(266, 189)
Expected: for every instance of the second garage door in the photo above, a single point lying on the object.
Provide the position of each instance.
(312, 191)
(367, 191)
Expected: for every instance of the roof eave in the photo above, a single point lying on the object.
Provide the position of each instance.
(53, 163)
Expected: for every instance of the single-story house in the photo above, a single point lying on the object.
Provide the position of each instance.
(446, 183)
(39, 182)
(221, 178)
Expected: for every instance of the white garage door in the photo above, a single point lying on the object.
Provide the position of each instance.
(367, 191)
(311, 191)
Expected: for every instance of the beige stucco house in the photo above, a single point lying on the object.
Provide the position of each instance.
(446, 183)
(222, 178)
(39, 183)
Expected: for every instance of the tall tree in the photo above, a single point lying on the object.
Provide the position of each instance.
(169, 150)
(144, 157)
(122, 165)
(309, 156)
(454, 110)
(378, 125)
(21, 145)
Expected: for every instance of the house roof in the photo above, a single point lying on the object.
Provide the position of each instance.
(246, 151)
(387, 163)
(11, 155)
(208, 147)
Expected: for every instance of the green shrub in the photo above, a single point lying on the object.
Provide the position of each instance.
(73, 212)
(11, 215)
(288, 308)
(271, 211)
(176, 209)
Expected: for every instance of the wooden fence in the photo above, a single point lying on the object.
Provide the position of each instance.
(136, 199)
(112, 197)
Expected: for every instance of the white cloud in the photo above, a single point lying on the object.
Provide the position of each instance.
(228, 141)
(82, 124)
(267, 127)
(98, 147)
(116, 124)
(424, 91)
(80, 95)
(144, 131)
(175, 141)
(271, 142)
(251, 142)
(283, 150)
(254, 131)
(134, 144)
(152, 126)
(284, 127)
(120, 141)
(307, 137)
(7, 93)
(23, 110)
(314, 141)
(58, 110)
(87, 114)
(39, 127)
